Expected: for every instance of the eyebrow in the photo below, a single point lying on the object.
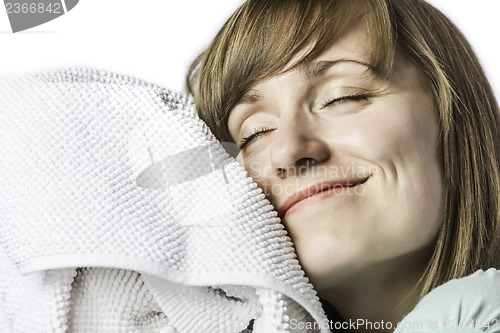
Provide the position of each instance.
(311, 71)
(250, 97)
(317, 69)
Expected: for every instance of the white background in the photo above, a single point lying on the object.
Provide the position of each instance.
(157, 39)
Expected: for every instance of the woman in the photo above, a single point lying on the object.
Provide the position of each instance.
(373, 130)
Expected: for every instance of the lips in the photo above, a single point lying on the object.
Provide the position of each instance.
(317, 192)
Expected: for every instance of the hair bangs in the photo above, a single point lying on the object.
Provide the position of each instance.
(263, 37)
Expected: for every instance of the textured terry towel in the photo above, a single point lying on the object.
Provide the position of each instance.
(119, 211)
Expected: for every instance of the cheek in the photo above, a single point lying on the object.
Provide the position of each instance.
(415, 159)
(409, 155)
(400, 140)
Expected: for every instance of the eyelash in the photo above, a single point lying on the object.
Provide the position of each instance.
(248, 139)
(352, 98)
(258, 132)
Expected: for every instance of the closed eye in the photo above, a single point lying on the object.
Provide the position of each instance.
(248, 139)
(343, 99)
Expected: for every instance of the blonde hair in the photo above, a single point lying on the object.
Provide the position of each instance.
(262, 36)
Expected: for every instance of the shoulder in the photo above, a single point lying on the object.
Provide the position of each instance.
(469, 304)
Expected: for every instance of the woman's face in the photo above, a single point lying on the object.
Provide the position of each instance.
(350, 160)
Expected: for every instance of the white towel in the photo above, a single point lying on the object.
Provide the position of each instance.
(120, 212)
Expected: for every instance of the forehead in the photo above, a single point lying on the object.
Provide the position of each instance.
(351, 49)
(355, 43)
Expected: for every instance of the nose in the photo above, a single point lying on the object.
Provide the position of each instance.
(297, 146)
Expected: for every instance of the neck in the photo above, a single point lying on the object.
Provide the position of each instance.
(381, 294)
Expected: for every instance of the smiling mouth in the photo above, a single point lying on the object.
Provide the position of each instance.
(316, 193)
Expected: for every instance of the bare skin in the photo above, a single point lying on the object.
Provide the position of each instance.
(364, 243)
